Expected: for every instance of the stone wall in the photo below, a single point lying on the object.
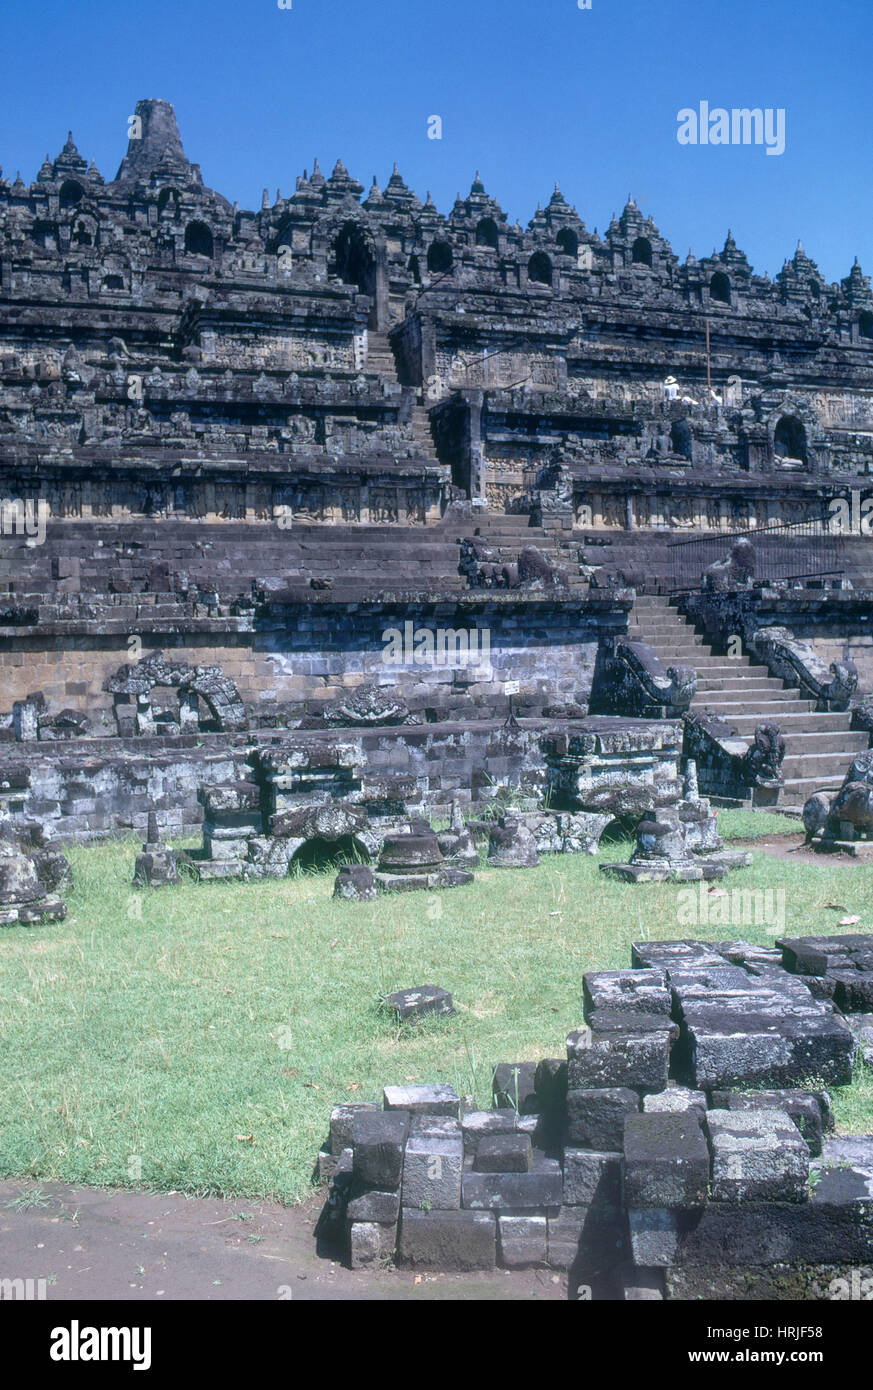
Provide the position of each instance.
(90, 789)
(306, 655)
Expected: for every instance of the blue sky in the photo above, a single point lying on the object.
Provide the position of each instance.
(529, 91)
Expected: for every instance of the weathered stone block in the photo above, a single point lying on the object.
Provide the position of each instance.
(477, 1123)
(378, 1141)
(371, 1243)
(595, 1117)
(626, 992)
(448, 1240)
(591, 1178)
(541, 1186)
(410, 1004)
(550, 1084)
(355, 882)
(422, 1100)
(757, 1155)
(514, 1087)
(623, 1058)
(383, 1208)
(435, 1127)
(432, 1169)
(563, 1234)
(503, 1153)
(809, 1111)
(643, 1286)
(523, 1241)
(654, 1237)
(675, 1100)
(666, 1161)
(341, 1119)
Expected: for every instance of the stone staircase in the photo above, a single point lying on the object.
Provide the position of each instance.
(508, 533)
(819, 746)
(380, 358)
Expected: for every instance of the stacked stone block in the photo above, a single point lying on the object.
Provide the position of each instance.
(232, 816)
(625, 1163)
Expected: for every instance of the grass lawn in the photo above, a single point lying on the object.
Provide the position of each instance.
(200, 1046)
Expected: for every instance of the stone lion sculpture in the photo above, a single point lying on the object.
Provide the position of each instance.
(735, 571)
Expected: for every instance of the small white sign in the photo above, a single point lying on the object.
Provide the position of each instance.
(511, 687)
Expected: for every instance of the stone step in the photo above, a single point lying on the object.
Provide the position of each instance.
(710, 663)
(799, 723)
(741, 698)
(706, 664)
(751, 689)
(821, 765)
(666, 639)
(661, 625)
(797, 790)
(838, 745)
(761, 709)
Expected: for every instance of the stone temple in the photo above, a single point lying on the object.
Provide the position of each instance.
(348, 500)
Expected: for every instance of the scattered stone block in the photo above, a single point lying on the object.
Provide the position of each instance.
(673, 1186)
(355, 882)
(411, 1004)
(511, 845)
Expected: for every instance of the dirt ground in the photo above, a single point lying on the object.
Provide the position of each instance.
(93, 1244)
(792, 847)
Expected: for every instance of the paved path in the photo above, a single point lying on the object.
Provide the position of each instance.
(94, 1244)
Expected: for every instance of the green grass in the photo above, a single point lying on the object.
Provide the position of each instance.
(754, 825)
(201, 1046)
